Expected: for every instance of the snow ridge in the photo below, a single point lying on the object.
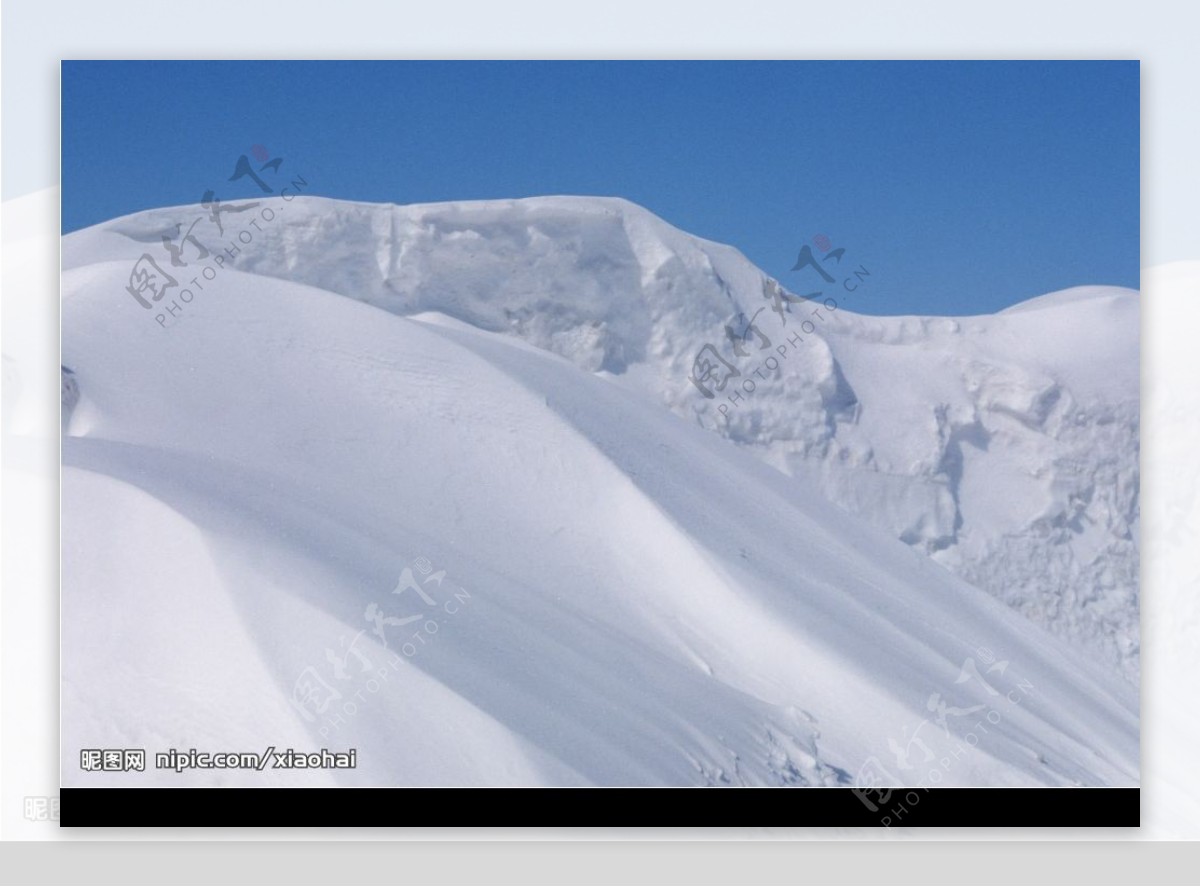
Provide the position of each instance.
(1005, 447)
(612, 593)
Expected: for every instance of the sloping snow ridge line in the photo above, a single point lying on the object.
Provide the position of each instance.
(432, 482)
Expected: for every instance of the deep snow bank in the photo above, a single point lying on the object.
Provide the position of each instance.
(292, 517)
(1006, 447)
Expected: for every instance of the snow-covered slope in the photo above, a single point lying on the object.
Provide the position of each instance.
(253, 489)
(1006, 446)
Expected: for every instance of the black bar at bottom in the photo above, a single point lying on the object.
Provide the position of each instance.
(597, 807)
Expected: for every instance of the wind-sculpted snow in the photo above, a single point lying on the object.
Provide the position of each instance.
(605, 591)
(1006, 447)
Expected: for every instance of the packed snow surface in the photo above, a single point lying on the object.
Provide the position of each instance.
(432, 482)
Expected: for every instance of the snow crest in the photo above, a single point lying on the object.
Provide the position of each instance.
(1006, 447)
(617, 585)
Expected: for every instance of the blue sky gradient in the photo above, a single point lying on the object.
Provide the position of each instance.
(964, 187)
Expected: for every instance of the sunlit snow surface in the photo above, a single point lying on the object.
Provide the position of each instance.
(634, 593)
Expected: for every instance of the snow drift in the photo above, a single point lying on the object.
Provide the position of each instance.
(402, 479)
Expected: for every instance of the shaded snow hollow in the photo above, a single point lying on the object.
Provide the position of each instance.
(647, 604)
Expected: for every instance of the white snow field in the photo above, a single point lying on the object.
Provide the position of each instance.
(431, 482)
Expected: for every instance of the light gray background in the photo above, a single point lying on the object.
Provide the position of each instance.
(37, 33)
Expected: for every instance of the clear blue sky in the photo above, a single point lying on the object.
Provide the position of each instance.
(963, 186)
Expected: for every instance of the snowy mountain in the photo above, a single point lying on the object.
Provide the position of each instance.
(442, 483)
